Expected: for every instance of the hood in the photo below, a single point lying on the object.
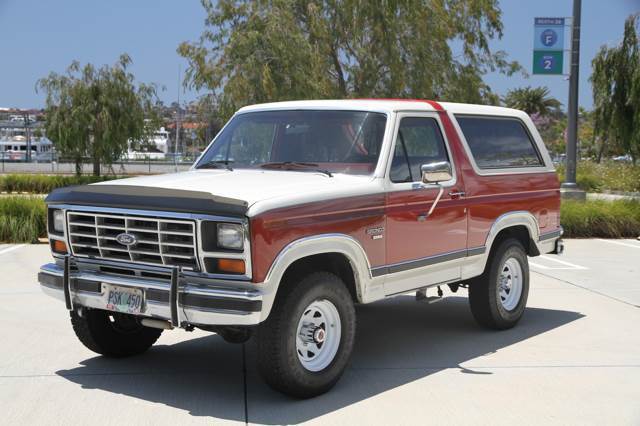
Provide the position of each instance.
(256, 190)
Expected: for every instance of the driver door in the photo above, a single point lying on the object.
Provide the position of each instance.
(424, 246)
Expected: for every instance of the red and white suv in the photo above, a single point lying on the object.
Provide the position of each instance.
(296, 212)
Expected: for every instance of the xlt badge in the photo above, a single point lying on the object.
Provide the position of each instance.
(376, 233)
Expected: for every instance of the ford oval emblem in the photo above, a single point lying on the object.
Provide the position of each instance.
(126, 239)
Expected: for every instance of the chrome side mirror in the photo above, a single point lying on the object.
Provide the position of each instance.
(436, 172)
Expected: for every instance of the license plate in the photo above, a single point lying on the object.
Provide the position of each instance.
(124, 299)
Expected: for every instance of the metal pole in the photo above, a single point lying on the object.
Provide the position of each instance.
(27, 133)
(572, 127)
(175, 148)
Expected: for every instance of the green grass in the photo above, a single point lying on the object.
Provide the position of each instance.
(22, 219)
(601, 219)
(607, 176)
(43, 184)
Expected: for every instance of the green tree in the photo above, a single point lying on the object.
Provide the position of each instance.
(269, 50)
(615, 83)
(93, 112)
(532, 100)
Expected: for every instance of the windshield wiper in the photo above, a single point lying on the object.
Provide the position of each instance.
(294, 165)
(216, 164)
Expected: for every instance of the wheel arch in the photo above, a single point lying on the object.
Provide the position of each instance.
(521, 225)
(337, 253)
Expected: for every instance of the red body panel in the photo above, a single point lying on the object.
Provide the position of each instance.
(272, 231)
(456, 224)
(489, 197)
(409, 238)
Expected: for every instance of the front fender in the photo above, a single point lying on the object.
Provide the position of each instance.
(319, 244)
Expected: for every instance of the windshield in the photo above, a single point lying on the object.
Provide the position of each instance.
(328, 141)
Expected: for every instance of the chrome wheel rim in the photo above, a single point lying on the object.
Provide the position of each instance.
(510, 284)
(318, 335)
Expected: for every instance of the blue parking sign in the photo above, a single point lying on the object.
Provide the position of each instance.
(548, 45)
(548, 37)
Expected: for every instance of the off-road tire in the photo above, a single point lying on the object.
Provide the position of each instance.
(278, 360)
(484, 296)
(112, 334)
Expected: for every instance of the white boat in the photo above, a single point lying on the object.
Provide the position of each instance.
(154, 149)
(13, 146)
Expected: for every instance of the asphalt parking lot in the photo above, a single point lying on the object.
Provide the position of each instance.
(573, 359)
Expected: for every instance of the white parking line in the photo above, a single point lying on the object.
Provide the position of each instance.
(537, 265)
(562, 262)
(619, 243)
(567, 265)
(8, 249)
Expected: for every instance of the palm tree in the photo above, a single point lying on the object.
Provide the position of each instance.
(532, 100)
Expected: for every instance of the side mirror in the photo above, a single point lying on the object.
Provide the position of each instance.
(436, 172)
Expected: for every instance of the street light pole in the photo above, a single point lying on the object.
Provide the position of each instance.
(569, 186)
(27, 133)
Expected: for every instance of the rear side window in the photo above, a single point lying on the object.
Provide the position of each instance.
(498, 142)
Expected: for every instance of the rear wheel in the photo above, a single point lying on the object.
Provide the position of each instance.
(499, 296)
(113, 334)
(305, 344)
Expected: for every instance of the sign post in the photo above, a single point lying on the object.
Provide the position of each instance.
(548, 59)
(569, 187)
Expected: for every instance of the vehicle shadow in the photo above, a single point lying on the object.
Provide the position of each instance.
(206, 376)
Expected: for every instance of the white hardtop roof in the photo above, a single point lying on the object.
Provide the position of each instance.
(384, 105)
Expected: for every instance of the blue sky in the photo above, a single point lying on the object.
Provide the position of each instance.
(41, 36)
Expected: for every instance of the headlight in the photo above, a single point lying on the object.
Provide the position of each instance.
(230, 236)
(58, 221)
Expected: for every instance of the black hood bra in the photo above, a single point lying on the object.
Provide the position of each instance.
(147, 198)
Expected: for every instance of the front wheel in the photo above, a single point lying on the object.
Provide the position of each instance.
(499, 296)
(305, 344)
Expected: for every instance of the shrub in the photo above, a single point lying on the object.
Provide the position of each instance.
(43, 184)
(22, 219)
(607, 176)
(600, 218)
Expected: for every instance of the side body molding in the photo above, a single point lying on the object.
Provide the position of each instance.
(506, 220)
(322, 244)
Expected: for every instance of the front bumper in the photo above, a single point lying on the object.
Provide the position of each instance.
(180, 298)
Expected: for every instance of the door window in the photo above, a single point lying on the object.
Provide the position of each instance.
(419, 141)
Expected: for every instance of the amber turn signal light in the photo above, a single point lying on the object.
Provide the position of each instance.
(232, 266)
(59, 247)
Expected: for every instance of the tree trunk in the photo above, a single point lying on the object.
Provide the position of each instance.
(78, 166)
(601, 150)
(96, 167)
(342, 84)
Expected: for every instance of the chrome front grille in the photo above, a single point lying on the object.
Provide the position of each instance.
(169, 242)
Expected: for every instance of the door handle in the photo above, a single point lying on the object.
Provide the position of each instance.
(457, 194)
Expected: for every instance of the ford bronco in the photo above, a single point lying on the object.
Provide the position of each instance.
(296, 212)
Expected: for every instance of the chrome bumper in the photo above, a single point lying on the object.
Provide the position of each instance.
(193, 301)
